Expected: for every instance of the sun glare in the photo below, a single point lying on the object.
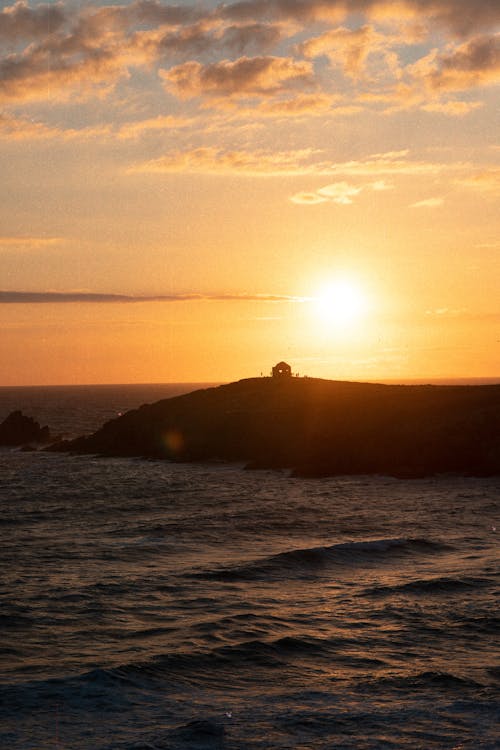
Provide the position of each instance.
(340, 304)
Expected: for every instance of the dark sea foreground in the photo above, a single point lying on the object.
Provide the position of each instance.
(153, 605)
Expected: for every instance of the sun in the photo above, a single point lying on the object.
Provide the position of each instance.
(340, 303)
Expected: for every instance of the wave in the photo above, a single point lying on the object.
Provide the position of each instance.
(430, 586)
(200, 733)
(310, 560)
(236, 662)
(423, 681)
(480, 624)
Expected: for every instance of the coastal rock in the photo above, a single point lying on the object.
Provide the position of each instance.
(316, 428)
(18, 429)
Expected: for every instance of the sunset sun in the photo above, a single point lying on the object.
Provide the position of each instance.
(340, 303)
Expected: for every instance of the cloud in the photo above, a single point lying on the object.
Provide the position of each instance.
(297, 10)
(20, 297)
(460, 17)
(19, 128)
(55, 70)
(341, 193)
(350, 47)
(388, 163)
(182, 42)
(161, 122)
(207, 36)
(308, 199)
(485, 181)
(20, 21)
(283, 105)
(428, 203)
(28, 243)
(441, 312)
(210, 160)
(298, 105)
(462, 313)
(62, 50)
(84, 53)
(452, 107)
(267, 163)
(381, 185)
(256, 36)
(14, 128)
(246, 76)
(475, 63)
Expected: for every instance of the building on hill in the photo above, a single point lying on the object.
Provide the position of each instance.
(282, 370)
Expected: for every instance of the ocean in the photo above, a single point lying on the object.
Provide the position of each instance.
(155, 606)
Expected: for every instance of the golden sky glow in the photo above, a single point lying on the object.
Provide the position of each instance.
(309, 180)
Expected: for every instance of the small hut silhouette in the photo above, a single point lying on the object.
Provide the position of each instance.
(282, 370)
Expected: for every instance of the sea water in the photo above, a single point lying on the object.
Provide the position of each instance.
(172, 606)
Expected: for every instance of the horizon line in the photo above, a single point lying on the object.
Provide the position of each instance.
(459, 380)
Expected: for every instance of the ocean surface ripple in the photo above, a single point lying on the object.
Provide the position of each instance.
(154, 606)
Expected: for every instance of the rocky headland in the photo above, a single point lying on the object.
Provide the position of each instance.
(315, 427)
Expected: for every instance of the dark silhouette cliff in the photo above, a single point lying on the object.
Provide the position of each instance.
(315, 427)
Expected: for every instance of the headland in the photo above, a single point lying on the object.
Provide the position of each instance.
(315, 427)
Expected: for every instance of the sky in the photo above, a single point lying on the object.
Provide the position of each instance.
(192, 192)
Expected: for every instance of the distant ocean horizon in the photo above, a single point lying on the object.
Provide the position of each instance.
(463, 380)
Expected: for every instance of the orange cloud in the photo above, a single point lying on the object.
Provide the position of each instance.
(460, 17)
(247, 76)
(428, 203)
(161, 122)
(28, 243)
(41, 73)
(342, 193)
(351, 47)
(62, 51)
(339, 192)
(20, 21)
(308, 199)
(19, 129)
(284, 105)
(298, 10)
(389, 163)
(487, 180)
(215, 160)
(452, 107)
(208, 35)
(299, 104)
(475, 63)
(14, 128)
(210, 160)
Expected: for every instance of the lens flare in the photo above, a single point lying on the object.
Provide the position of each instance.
(174, 442)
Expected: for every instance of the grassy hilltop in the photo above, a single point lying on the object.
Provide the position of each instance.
(316, 427)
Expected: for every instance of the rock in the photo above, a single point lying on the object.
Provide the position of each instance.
(17, 429)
